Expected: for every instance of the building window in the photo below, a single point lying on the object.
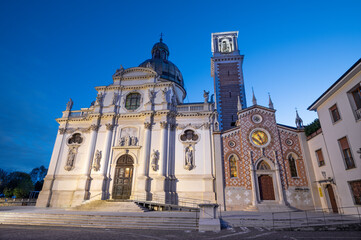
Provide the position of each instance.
(356, 191)
(355, 100)
(321, 160)
(293, 168)
(346, 153)
(132, 101)
(335, 115)
(233, 166)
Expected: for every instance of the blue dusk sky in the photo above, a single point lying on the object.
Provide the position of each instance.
(53, 50)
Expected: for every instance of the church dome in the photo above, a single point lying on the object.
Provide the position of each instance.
(160, 63)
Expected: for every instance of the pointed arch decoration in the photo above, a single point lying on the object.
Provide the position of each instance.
(263, 165)
(233, 166)
(292, 163)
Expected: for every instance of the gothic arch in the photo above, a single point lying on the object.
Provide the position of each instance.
(233, 160)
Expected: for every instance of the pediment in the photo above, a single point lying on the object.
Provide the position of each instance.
(138, 72)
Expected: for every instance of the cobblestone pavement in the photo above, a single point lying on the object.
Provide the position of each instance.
(54, 233)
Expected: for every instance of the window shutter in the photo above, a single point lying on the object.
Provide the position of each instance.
(344, 144)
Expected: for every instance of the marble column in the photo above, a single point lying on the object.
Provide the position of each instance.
(161, 178)
(146, 145)
(143, 183)
(279, 183)
(105, 159)
(254, 185)
(163, 148)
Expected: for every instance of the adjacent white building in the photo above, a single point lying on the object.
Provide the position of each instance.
(336, 149)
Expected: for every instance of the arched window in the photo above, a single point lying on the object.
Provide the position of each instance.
(233, 166)
(263, 166)
(292, 163)
(132, 101)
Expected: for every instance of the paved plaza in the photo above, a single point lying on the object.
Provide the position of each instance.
(45, 232)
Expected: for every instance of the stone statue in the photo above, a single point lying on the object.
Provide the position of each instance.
(121, 142)
(134, 140)
(149, 65)
(96, 162)
(155, 159)
(98, 99)
(151, 95)
(115, 99)
(69, 105)
(206, 96)
(71, 159)
(126, 141)
(189, 158)
(92, 104)
(164, 95)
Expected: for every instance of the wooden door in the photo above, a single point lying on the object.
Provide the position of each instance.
(266, 190)
(331, 196)
(123, 176)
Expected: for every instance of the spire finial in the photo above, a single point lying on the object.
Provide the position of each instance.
(239, 104)
(161, 37)
(270, 103)
(254, 100)
(298, 121)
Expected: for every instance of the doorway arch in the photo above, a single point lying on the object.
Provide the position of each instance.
(123, 177)
(265, 176)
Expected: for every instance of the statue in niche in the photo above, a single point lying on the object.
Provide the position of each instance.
(206, 96)
(155, 159)
(69, 105)
(71, 159)
(98, 99)
(96, 162)
(189, 158)
(133, 141)
(115, 99)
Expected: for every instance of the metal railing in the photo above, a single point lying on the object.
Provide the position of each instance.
(17, 201)
(316, 217)
(164, 203)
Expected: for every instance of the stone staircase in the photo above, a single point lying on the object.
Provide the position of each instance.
(110, 206)
(102, 220)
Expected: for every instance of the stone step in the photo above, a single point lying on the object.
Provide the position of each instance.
(110, 206)
(101, 221)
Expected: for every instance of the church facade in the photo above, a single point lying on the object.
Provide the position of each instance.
(140, 140)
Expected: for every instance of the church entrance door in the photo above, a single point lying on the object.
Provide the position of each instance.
(331, 196)
(266, 190)
(123, 177)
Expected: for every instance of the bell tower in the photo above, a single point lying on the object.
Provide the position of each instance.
(226, 70)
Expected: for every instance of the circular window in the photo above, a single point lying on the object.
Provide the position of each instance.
(256, 118)
(132, 101)
(289, 142)
(231, 144)
(260, 137)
